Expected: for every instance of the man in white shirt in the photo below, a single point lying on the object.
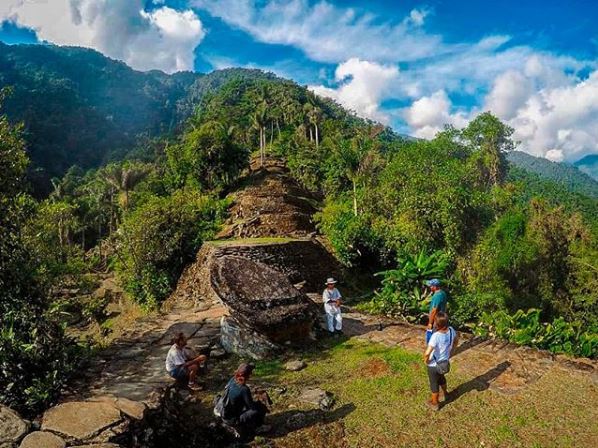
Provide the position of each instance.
(332, 307)
(179, 366)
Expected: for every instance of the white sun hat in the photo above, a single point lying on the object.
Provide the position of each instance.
(330, 281)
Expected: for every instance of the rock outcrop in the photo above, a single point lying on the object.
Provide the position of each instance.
(265, 309)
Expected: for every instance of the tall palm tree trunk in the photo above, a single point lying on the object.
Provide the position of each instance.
(354, 197)
(317, 139)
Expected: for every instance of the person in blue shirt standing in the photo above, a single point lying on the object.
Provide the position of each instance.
(438, 302)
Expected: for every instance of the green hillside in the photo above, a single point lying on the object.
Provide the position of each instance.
(589, 165)
(574, 179)
(82, 108)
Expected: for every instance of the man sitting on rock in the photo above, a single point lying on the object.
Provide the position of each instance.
(178, 364)
(332, 307)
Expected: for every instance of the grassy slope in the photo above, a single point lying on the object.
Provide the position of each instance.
(382, 390)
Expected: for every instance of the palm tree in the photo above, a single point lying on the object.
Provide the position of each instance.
(124, 178)
(259, 123)
(352, 154)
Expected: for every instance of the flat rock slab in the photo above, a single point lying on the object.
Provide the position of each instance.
(80, 420)
(131, 408)
(42, 439)
(295, 366)
(12, 426)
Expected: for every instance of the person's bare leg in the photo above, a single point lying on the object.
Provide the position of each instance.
(192, 373)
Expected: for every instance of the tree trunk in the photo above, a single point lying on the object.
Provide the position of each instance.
(355, 198)
(262, 139)
(278, 128)
(311, 135)
(317, 139)
(271, 132)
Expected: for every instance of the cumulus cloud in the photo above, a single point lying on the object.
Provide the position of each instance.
(326, 32)
(363, 84)
(161, 38)
(429, 114)
(560, 122)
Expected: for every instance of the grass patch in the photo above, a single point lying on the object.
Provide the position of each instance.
(386, 387)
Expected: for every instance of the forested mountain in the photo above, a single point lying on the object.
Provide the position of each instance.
(517, 251)
(82, 108)
(567, 175)
(589, 165)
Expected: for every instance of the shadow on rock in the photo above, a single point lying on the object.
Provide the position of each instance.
(479, 383)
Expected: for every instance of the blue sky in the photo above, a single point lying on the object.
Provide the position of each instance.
(410, 64)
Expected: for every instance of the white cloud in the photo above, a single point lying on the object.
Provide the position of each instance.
(363, 85)
(429, 114)
(560, 122)
(417, 17)
(162, 38)
(328, 33)
(510, 91)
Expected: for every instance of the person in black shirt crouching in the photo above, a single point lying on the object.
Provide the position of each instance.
(241, 411)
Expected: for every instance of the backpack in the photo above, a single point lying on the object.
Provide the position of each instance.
(221, 403)
(444, 367)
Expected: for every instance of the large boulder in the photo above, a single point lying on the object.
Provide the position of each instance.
(262, 298)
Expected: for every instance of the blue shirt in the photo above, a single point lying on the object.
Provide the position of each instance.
(439, 300)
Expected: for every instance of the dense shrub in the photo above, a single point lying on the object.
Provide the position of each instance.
(160, 237)
(526, 328)
(35, 356)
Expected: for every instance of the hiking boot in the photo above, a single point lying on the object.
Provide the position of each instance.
(433, 406)
(264, 429)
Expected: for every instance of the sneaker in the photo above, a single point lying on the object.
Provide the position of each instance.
(434, 407)
(264, 429)
(194, 386)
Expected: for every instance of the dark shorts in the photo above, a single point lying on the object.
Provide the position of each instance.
(436, 379)
(179, 373)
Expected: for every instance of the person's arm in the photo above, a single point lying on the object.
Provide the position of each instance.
(427, 353)
(432, 317)
(200, 358)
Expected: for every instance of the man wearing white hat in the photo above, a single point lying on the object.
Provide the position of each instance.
(332, 306)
